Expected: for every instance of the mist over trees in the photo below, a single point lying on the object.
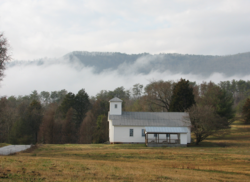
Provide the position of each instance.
(64, 117)
(177, 63)
(205, 65)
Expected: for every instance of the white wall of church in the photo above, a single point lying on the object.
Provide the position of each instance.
(183, 138)
(111, 132)
(189, 135)
(122, 134)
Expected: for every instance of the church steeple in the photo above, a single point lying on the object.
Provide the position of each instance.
(115, 106)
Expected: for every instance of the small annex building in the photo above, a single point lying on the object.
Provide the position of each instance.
(152, 128)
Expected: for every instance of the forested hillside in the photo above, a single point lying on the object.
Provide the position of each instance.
(66, 117)
(229, 65)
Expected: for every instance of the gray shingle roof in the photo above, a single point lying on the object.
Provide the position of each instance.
(115, 99)
(169, 119)
(150, 129)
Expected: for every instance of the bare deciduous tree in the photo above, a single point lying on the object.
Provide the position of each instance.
(46, 132)
(205, 122)
(137, 90)
(159, 93)
(4, 56)
(87, 128)
(7, 118)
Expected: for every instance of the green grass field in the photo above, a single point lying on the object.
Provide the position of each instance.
(216, 159)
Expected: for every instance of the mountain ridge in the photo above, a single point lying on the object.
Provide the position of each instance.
(144, 63)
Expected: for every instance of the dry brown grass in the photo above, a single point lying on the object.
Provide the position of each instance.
(216, 159)
(4, 144)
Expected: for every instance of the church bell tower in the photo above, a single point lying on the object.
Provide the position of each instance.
(115, 106)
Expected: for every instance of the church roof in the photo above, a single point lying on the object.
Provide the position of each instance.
(150, 129)
(169, 119)
(115, 99)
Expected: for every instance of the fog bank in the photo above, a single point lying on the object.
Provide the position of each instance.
(22, 79)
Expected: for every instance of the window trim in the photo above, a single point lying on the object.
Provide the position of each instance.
(131, 129)
(143, 132)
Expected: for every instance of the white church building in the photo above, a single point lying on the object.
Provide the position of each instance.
(151, 128)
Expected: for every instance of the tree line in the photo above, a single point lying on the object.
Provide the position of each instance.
(65, 117)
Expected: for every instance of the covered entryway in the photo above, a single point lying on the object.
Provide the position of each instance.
(166, 136)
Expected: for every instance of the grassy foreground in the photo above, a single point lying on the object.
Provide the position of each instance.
(226, 159)
(4, 144)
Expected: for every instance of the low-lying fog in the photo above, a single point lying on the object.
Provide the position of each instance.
(22, 79)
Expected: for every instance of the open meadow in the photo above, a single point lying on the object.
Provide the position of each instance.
(226, 159)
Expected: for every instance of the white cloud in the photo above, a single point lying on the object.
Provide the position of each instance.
(48, 28)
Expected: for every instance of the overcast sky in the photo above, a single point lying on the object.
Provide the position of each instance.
(52, 28)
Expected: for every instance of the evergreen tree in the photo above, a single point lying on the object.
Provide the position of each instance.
(34, 96)
(224, 107)
(182, 98)
(45, 98)
(33, 118)
(221, 100)
(246, 111)
(101, 131)
(68, 127)
(67, 103)
(25, 130)
(81, 105)
(79, 102)
(137, 90)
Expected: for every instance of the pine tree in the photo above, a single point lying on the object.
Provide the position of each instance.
(182, 98)
(81, 105)
(220, 99)
(68, 127)
(67, 103)
(25, 130)
(246, 111)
